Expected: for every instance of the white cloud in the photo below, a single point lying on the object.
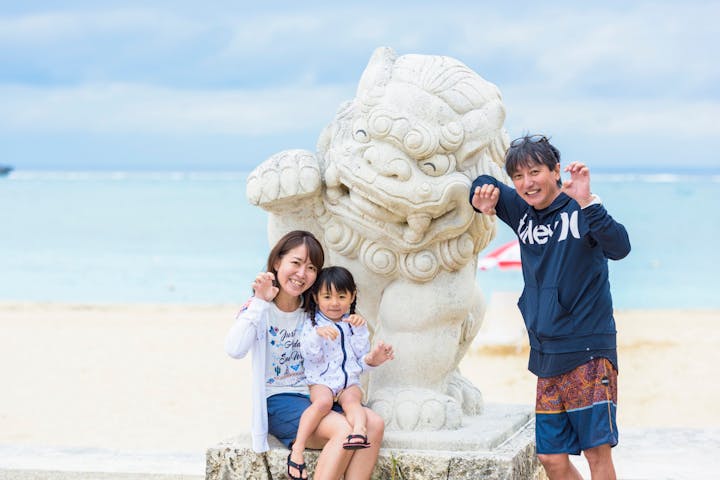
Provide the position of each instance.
(615, 69)
(563, 46)
(250, 35)
(559, 45)
(122, 108)
(59, 26)
(647, 117)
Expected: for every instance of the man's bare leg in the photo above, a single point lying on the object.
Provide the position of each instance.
(600, 461)
(558, 466)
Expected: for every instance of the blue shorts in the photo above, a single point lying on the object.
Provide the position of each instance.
(284, 412)
(576, 411)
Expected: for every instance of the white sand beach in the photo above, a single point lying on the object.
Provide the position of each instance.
(156, 378)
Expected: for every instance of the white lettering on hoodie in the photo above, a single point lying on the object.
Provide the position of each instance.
(540, 234)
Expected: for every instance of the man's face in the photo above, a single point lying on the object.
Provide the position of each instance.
(537, 184)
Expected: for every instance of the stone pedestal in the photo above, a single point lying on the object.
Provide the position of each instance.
(500, 444)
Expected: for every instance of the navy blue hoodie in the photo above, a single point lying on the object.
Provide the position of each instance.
(566, 302)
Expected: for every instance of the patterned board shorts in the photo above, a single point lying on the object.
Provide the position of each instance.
(576, 411)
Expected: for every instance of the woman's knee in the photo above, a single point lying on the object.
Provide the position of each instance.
(332, 426)
(375, 424)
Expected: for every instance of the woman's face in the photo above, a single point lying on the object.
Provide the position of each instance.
(295, 272)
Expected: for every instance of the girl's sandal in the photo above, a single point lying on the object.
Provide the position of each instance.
(350, 445)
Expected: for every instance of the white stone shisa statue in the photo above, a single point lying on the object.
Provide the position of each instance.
(387, 195)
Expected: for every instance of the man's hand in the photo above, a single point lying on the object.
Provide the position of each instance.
(355, 320)
(485, 198)
(328, 332)
(578, 187)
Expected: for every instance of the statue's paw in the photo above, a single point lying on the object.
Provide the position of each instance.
(466, 394)
(288, 175)
(416, 409)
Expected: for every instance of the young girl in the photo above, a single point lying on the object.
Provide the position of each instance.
(335, 346)
(269, 326)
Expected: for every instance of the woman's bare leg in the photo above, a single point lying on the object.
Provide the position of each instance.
(363, 461)
(334, 460)
(330, 436)
(321, 399)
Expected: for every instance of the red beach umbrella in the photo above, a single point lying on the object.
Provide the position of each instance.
(505, 257)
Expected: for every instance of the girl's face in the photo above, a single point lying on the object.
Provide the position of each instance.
(295, 272)
(334, 304)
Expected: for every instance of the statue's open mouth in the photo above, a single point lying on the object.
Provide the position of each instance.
(413, 225)
(373, 208)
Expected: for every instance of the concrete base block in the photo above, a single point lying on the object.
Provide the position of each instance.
(61, 475)
(500, 444)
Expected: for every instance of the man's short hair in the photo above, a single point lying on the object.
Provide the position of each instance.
(531, 150)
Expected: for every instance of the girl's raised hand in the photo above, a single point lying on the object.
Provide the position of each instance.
(380, 354)
(355, 320)
(328, 331)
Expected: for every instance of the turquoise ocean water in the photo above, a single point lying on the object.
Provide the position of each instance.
(139, 237)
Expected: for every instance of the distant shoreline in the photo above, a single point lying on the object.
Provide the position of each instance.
(691, 171)
(94, 306)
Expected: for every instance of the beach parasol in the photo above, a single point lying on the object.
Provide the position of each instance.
(505, 257)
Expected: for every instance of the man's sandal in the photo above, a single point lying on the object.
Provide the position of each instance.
(350, 445)
(299, 466)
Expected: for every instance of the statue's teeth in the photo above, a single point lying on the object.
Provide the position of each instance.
(419, 222)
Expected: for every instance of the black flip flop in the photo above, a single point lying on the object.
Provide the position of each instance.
(299, 466)
(350, 445)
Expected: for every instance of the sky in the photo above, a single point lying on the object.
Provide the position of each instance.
(222, 85)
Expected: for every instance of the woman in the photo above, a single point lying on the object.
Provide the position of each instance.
(269, 326)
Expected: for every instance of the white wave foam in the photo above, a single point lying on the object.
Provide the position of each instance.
(79, 176)
(657, 177)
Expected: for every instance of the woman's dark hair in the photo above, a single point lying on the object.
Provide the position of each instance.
(530, 150)
(338, 278)
(291, 240)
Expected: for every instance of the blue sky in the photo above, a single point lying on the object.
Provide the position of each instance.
(176, 85)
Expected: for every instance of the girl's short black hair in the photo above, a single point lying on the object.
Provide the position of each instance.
(335, 277)
(531, 150)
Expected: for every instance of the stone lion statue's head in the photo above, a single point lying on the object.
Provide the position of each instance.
(400, 157)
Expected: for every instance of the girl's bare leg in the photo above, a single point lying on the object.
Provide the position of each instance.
(322, 400)
(363, 461)
(335, 461)
(351, 402)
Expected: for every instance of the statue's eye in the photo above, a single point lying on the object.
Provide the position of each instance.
(435, 166)
(428, 168)
(361, 136)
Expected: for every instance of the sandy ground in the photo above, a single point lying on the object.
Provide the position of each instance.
(157, 378)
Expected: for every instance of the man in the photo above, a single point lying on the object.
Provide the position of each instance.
(566, 237)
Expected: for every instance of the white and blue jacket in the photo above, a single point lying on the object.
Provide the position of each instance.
(337, 363)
